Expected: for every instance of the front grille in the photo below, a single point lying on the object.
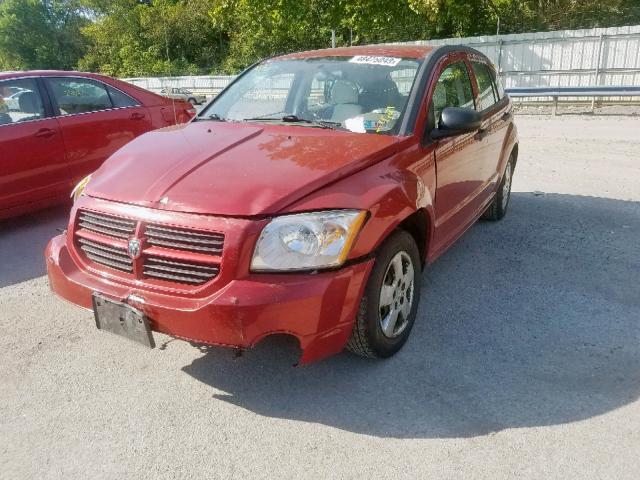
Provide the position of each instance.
(183, 239)
(109, 256)
(169, 253)
(109, 225)
(181, 272)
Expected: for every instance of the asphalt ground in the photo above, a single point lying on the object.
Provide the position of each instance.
(524, 361)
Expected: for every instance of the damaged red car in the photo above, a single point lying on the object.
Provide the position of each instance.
(304, 200)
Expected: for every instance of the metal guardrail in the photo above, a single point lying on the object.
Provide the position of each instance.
(557, 92)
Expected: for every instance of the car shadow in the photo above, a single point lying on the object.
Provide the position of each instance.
(22, 243)
(530, 321)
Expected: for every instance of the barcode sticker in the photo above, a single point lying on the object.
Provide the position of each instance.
(372, 60)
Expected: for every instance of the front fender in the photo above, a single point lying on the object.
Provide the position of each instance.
(390, 191)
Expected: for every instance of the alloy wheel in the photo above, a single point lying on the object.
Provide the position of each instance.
(396, 295)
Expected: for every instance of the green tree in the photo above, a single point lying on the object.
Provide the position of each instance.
(160, 37)
(259, 28)
(41, 34)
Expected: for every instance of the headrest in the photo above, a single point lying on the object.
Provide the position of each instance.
(344, 91)
(29, 103)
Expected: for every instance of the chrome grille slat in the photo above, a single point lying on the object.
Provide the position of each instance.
(104, 231)
(84, 241)
(110, 263)
(128, 223)
(101, 223)
(162, 261)
(183, 246)
(215, 236)
(194, 273)
(96, 251)
(169, 236)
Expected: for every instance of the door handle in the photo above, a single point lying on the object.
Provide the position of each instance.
(45, 133)
(137, 116)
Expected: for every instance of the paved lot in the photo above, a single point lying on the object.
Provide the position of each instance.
(524, 361)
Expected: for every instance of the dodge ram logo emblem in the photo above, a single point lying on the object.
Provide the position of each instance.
(134, 248)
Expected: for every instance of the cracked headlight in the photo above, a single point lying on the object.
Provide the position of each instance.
(307, 241)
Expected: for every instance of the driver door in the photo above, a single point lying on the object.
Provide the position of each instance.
(458, 159)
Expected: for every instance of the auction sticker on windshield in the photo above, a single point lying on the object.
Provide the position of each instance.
(373, 60)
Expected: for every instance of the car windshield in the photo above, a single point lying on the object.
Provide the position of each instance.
(364, 94)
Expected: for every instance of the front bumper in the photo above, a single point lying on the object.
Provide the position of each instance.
(318, 309)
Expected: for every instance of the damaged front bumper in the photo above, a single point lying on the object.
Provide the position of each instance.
(317, 308)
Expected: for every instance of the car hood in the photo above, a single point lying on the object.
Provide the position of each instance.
(236, 169)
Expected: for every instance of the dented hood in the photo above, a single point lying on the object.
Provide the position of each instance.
(238, 169)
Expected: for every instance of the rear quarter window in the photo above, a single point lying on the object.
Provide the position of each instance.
(121, 99)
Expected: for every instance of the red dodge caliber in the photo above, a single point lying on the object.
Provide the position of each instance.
(305, 200)
(57, 127)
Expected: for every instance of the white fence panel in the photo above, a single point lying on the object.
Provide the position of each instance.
(598, 56)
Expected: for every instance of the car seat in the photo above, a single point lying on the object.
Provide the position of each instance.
(344, 97)
(30, 103)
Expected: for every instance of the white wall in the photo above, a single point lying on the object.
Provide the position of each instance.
(598, 56)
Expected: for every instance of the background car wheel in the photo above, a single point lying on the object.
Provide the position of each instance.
(498, 207)
(390, 301)
(192, 101)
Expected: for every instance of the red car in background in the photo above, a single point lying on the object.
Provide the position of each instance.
(57, 127)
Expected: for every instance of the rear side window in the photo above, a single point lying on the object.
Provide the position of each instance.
(120, 99)
(20, 101)
(487, 95)
(79, 95)
(453, 89)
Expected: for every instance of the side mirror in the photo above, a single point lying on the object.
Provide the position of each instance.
(456, 121)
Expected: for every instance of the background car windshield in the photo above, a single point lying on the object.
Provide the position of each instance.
(365, 94)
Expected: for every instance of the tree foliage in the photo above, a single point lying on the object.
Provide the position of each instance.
(131, 38)
(41, 34)
(161, 37)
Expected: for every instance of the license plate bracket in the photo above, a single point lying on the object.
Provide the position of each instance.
(122, 319)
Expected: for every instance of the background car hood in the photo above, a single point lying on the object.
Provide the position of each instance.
(238, 169)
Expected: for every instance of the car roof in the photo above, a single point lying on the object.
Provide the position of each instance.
(48, 73)
(403, 51)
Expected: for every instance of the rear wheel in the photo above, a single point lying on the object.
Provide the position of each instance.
(390, 301)
(498, 207)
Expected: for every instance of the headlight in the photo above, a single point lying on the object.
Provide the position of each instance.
(307, 240)
(79, 188)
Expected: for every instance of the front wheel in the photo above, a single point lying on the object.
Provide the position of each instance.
(390, 302)
(498, 207)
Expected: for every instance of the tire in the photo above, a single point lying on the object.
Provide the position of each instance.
(368, 337)
(192, 101)
(498, 207)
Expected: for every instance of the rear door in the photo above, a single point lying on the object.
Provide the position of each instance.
(96, 120)
(493, 105)
(32, 160)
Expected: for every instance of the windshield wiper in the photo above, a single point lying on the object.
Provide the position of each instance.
(291, 118)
